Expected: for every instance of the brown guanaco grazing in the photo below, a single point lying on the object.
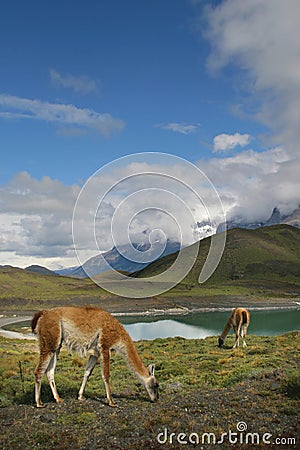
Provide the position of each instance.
(239, 320)
(87, 331)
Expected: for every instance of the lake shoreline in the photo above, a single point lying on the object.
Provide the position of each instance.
(165, 311)
(12, 318)
(155, 306)
(17, 316)
(186, 311)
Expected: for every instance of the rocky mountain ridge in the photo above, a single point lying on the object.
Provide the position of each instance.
(276, 218)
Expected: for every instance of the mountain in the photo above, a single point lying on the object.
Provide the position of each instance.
(41, 270)
(293, 219)
(67, 271)
(268, 256)
(204, 229)
(116, 260)
(275, 219)
(124, 261)
(255, 264)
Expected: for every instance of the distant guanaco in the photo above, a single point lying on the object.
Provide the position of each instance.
(239, 319)
(87, 331)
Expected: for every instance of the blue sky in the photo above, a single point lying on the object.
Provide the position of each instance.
(81, 84)
(144, 63)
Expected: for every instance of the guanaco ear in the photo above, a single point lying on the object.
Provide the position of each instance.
(151, 369)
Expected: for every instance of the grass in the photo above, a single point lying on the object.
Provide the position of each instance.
(190, 364)
(17, 283)
(21, 290)
(203, 389)
(251, 258)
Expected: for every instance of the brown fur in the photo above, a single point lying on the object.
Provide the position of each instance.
(88, 331)
(35, 319)
(239, 320)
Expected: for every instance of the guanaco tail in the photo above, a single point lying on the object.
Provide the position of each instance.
(87, 331)
(239, 320)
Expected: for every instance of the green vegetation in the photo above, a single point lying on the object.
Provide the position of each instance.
(263, 262)
(191, 364)
(256, 265)
(19, 287)
(203, 389)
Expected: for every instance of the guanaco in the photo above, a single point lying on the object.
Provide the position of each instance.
(87, 331)
(239, 319)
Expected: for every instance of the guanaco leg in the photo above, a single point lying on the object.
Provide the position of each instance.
(105, 368)
(47, 363)
(243, 334)
(88, 370)
(50, 375)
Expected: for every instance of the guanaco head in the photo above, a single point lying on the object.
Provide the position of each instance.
(221, 342)
(152, 384)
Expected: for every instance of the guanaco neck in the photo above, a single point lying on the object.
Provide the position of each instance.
(134, 360)
(226, 329)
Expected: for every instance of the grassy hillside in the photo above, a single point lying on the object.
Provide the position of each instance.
(253, 260)
(263, 263)
(21, 286)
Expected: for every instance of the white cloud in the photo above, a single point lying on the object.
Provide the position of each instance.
(179, 127)
(80, 84)
(36, 221)
(36, 215)
(136, 198)
(252, 183)
(224, 142)
(67, 115)
(262, 38)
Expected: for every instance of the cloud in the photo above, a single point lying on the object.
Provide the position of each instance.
(36, 214)
(252, 183)
(80, 84)
(27, 195)
(138, 203)
(66, 115)
(36, 221)
(263, 40)
(224, 142)
(179, 127)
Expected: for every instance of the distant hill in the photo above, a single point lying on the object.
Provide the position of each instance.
(113, 259)
(117, 261)
(262, 263)
(41, 270)
(20, 287)
(66, 271)
(268, 255)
